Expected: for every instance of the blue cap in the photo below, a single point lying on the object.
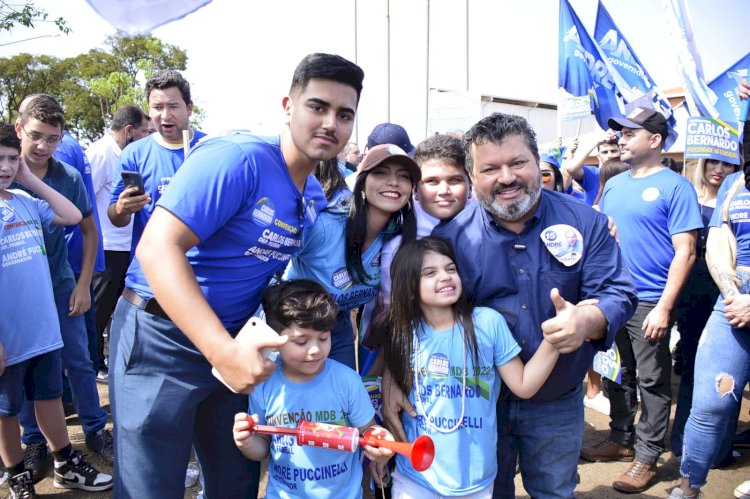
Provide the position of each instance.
(390, 133)
(553, 156)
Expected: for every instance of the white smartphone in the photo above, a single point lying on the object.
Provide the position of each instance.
(253, 327)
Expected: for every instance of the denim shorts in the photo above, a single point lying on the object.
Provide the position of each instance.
(38, 378)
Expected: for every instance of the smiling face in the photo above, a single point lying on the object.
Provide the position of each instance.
(9, 164)
(169, 113)
(507, 178)
(320, 118)
(444, 188)
(439, 283)
(387, 187)
(304, 355)
(38, 141)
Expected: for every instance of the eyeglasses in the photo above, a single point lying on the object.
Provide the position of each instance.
(546, 175)
(38, 138)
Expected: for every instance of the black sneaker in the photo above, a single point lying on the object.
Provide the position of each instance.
(21, 486)
(77, 473)
(36, 459)
(102, 443)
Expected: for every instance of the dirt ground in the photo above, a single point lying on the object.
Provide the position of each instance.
(596, 478)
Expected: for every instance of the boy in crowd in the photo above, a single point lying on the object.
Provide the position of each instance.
(30, 355)
(307, 386)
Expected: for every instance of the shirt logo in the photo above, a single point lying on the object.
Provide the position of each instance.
(341, 279)
(6, 215)
(264, 212)
(650, 194)
(564, 242)
(438, 365)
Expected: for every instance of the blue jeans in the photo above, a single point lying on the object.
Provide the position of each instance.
(724, 352)
(81, 376)
(165, 399)
(545, 437)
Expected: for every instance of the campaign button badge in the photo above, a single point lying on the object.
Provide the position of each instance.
(564, 242)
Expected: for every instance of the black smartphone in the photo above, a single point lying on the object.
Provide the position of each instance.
(133, 178)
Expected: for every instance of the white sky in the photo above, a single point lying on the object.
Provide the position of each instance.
(242, 53)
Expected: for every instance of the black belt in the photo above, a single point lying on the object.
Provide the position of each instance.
(150, 306)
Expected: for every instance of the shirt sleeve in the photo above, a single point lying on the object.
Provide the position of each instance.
(81, 196)
(505, 347)
(100, 174)
(256, 404)
(684, 211)
(718, 214)
(361, 411)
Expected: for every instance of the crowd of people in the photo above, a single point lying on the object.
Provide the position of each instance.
(476, 274)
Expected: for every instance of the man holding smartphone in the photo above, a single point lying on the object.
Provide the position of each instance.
(232, 217)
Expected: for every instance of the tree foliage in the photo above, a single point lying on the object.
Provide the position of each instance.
(26, 14)
(90, 86)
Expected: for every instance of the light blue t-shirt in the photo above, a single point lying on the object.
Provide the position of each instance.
(739, 216)
(335, 396)
(157, 162)
(648, 211)
(28, 317)
(465, 459)
(67, 181)
(69, 152)
(235, 193)
(323, 259)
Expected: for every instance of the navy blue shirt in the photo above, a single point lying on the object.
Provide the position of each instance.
(514, 273)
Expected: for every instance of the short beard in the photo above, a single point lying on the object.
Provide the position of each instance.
(515, 210)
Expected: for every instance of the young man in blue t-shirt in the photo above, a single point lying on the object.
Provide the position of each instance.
(232, 217)
(657, 213)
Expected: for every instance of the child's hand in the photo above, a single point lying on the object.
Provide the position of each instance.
(380, 474)
(378, 454)
(241, 430)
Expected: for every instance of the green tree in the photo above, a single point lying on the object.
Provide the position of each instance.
(26, 14)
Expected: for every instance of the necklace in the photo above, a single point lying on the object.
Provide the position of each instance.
(420, 402)
(34, 230)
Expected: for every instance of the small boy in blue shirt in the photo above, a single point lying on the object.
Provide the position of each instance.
(29, 329)
(307, 386)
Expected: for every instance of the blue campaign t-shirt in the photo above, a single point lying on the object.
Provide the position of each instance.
(739, 215)
(590, 184)
(67, 181)
(648, 211)
(465, 459)
(514, 274)
(335, 396)
(28, 317)
(235, 193)
(323, 259)
(69, 152)
(157, 162)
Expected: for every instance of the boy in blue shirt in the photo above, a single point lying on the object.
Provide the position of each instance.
(30, 361)
(307, 386)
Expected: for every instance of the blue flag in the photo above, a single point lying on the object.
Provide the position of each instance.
(633, 81)
(724, 88)
(582, 70)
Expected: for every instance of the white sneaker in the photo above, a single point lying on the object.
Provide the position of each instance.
(599, 403)
(743, 490)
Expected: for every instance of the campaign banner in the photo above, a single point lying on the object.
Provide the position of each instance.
(141, 16)
(632, 80)
(608, 364)
(712, 139)
(725, 86)
(373, 385)
(574, 108)
(582, 70)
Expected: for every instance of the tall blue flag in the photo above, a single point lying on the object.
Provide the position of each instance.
(725, 86)
(583, 71)
(634, 84)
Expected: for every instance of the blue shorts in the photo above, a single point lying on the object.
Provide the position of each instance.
(38, 378)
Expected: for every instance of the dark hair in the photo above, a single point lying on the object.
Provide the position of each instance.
(671, 164)
(402, 222)
(557, 174)
(330, 177)
(327, 67)
(9, 137)
(45, 109)
(612, 141)
(302, 302)
(169, 78)
(442, 147)
(496, 128)
(609, 169)
(405, 318)
(128, 115)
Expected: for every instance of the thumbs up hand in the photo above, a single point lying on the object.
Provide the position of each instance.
(567, 330)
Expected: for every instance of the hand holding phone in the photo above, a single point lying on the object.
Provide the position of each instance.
(133, 179)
